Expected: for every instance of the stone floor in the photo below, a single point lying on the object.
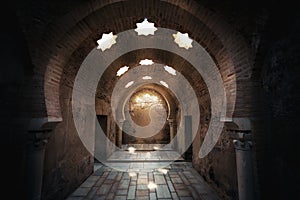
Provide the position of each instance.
(177, 180)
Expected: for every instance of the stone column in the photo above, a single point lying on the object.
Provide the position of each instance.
(172, 133)
(38, 134)
(244, 166)
(35, 153)
(120, 133)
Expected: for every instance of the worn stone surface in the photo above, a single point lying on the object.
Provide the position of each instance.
(166, 186)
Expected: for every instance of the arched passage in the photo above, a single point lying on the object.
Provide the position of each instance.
(74, 35)
(261, 117)
(227, 48)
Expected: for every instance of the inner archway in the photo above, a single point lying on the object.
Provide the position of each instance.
(146, 107)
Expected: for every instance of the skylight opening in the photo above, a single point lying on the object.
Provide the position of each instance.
(147, 78)
(145, 28)
(122, 70)
(129, 84)
(106, 41)
(146, 62)
(164, 84)
(183, 40)
(170, 70)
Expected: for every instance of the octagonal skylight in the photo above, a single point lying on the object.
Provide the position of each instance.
(129, 84)
(122, 70)
(146, 62)
(147, 78)
(170, 70)
(164, 84)
(106, 41)
(183, 40)
(145, 28)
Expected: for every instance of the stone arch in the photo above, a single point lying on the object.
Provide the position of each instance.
(224, 44)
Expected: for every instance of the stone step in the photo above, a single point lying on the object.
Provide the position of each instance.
(144, 147)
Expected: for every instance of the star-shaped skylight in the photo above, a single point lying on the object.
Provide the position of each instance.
(122, 70)
(164, 84)
(183, 40)
(145, 28)
(147, 78)
(170, 70)
(129, 84)
(146, 62)
(106, 41)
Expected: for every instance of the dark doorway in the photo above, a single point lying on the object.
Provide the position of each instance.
(102, 119)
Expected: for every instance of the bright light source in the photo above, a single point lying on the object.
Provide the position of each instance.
(147, 78)
(156, 148)
(164, 171)
(170, 70)
(131, 149)
(164, 84)
(129, 84)
(146, 98)
(132, 174)
(146, 62)
(106, 41)
(122, 70)
(183, 40)
(145, 28)
(152, 185)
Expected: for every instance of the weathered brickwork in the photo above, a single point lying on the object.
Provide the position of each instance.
(257, 65)
(63, 37)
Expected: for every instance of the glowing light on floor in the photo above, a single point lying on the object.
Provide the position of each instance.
(170, 70)
(106, 41)
(129, 84)
(145, 28)
(183, 40)
(132, 174)
(156, 148)
(147, 78)
(131, 149)
(122, 70)
(164, 84)
(164, 171)
(146, 62)
(152, 185)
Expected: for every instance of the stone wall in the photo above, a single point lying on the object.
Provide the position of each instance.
(255, 45)
(280, 80)
(218, 168)
(67, 162)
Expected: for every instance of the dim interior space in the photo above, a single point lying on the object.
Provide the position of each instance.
(150, 99)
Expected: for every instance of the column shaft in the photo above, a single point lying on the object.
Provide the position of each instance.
(244, 170)
(35, 155)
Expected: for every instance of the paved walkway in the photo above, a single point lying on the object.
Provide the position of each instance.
(177, 180)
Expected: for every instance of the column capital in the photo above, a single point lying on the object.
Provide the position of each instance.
(242, 145)
(241, 139)
(39, 132)
(171, 122)
(38, 139)
(240, 135)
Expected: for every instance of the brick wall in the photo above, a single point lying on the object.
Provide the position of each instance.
(60, 35)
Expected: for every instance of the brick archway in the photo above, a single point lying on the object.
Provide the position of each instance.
(62, 38)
